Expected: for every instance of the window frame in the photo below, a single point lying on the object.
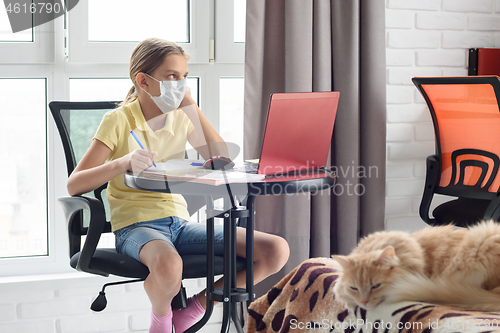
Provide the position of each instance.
(227, 51)
(55, 166)
(81, 50)
(41, 50)
(57, 69)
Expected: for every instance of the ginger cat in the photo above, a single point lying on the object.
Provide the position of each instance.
(436, 265)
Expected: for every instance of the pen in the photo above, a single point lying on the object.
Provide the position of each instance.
(196, 164)
(140, 144)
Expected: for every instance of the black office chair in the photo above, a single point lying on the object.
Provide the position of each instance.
(86, 214)
(466, 116)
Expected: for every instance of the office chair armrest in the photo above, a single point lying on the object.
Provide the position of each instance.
(493, 210)
(431, 182)
(72, 205)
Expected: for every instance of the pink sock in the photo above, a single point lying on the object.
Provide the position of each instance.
(161, 324)
(185, 318)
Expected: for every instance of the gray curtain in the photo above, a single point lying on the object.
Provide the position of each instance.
(321, 45)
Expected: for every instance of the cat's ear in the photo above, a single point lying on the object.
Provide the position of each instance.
(343, 261)
(388, 257)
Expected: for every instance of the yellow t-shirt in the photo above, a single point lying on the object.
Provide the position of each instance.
(128, 205)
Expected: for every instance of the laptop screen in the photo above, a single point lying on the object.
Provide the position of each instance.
(298, 132)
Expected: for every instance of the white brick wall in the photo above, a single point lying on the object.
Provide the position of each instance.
(61, 304)
(440, 21)
(424, 38)
(475, 6)
(414, 4)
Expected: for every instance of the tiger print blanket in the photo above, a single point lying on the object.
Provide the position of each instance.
(304, 301)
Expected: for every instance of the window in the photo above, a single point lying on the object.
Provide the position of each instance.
(6, 34)
(231, 111)
(111, 89)
(107, 31)
(117, 27)
(239, 21)
(34, 45)
(231, 31)
(83, 56)
(23, 199)
(98, 89)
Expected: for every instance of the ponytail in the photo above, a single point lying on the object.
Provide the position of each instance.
(131, 96)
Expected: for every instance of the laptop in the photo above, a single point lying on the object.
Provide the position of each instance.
(298, 133)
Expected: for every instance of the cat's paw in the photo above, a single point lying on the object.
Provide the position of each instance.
(347, 303)
(351, 306)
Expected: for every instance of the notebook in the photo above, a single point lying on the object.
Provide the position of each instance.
(298, 133)
(185, 170)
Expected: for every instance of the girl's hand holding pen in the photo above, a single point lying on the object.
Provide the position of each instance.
(139, 143)
(139, 160)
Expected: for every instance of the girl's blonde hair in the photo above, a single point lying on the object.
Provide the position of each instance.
(146, 57)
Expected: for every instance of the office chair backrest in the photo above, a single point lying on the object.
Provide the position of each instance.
(466, 116)
(77, 123)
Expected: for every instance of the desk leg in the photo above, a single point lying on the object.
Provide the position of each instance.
(231, 295)
(234, 303)
(228, 272)
(234, 315)
(249, 248)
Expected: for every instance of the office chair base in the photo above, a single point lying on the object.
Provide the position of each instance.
(178, 302)
(100, 302)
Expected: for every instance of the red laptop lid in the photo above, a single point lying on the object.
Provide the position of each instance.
(298, 132)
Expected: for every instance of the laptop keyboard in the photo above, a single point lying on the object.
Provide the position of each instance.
(254, 167)
(247, 167)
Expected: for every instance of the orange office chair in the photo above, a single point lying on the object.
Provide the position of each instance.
(466, 116)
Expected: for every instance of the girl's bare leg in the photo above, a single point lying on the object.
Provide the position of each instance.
(270, 255)
(164, 280)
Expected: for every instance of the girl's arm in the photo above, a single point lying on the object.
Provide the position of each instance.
(204, 138)
(91, 172)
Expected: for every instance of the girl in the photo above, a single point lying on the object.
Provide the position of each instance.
(147, 224)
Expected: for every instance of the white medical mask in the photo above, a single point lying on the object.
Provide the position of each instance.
(172, 94)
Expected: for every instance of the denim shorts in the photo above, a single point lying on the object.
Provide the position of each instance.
(186, 237)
